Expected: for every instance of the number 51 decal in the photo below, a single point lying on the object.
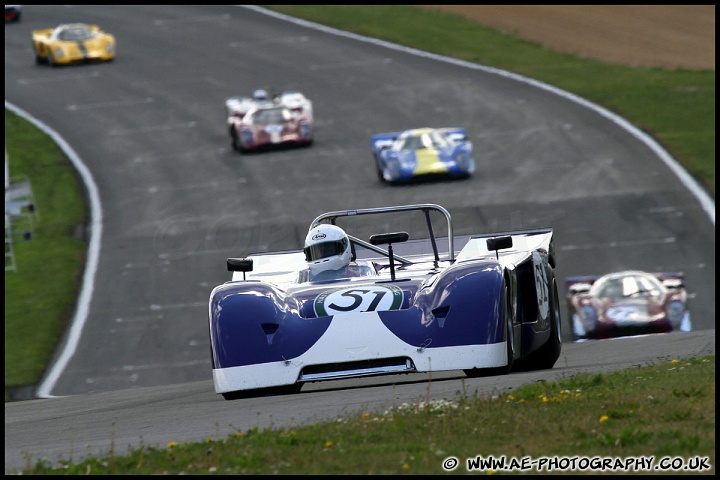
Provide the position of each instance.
(358, 298)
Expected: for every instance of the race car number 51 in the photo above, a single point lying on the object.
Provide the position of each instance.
(358, 298)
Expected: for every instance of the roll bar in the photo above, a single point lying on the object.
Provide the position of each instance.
(424, 207)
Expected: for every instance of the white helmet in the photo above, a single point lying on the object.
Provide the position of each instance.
(260, 94)
(327, 247)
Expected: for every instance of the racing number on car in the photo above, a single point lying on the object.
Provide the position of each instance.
(625, 313)
(357, 296)
(360, 298)
(541, 285)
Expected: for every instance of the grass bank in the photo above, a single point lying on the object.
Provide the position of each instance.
(665, 411)
(40, 295)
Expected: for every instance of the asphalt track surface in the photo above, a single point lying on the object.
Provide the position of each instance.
(174, 201)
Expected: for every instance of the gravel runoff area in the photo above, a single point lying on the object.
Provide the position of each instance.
(666, 36)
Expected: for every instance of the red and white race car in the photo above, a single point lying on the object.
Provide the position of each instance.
(13, 13)
(263, 121)
(627, 303)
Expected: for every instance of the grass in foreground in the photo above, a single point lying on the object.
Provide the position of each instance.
(664, 411)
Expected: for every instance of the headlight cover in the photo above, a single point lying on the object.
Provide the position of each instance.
(590, 316)
(675, 310)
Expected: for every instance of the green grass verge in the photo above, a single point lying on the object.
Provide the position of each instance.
(676, 107)
(41, 294)
(661, 411)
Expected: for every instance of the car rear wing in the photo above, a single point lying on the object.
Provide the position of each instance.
(515, 245)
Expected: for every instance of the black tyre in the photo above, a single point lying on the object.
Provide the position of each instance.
(39, 59)
(379, 171)
(546, 356)
(510, 346)
(235, 141)
(571, 324)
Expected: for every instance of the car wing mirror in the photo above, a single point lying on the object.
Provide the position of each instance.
(240, 265)
(390, 238)
(499, 243)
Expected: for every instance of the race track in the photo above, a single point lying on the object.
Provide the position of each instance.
(176, 201)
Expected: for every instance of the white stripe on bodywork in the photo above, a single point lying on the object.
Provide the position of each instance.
(355, 337)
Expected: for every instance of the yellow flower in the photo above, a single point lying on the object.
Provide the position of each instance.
(172, 444)
(328, 444)
(604, 418)
(239, 434)
(405, 466)
(365, 416)
(510, 397)
(675, 361)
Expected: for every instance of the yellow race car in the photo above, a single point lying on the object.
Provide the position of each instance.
(72, 43)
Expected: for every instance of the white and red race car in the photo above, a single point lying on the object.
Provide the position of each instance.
(263, 121)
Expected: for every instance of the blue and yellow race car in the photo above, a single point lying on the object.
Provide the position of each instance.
(401, 157)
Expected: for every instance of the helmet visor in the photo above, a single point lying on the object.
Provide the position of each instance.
(324, 250)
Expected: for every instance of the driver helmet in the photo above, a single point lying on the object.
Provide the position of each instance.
(327, 247)
(260, 94)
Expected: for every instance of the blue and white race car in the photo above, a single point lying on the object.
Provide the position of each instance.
(422, 153)
(427, 301)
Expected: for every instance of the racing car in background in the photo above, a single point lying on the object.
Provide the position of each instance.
(627, 303)
(13, 13)
(265, 120)
(422, 153)
(427, 302)
(72, 43)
